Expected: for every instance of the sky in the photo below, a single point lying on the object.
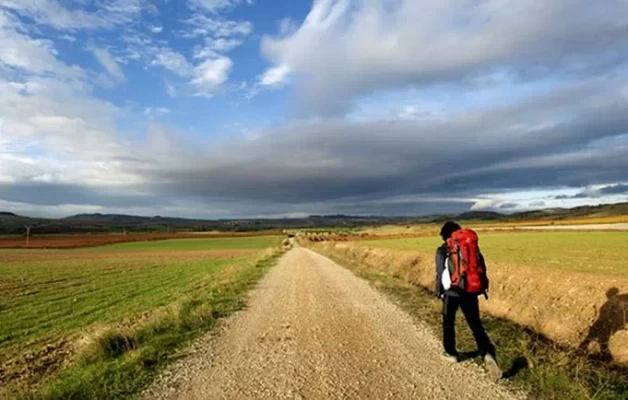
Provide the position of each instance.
(274, 108)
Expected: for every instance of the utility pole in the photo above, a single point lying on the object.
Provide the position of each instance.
(28, 235)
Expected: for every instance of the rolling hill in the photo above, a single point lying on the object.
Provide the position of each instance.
(11, 223)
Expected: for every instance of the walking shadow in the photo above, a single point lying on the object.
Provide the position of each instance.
(613, 318)
(518, 365)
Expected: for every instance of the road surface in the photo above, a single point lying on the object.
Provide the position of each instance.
(313, 330)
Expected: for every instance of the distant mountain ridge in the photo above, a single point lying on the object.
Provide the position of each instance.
(11, 223)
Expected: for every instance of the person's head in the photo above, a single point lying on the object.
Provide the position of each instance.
(612, 292)
(448, 228)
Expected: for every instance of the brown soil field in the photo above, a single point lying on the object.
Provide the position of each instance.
(570, 308)
(76, 241)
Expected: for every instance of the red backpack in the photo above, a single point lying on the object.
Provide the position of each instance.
(466, 264)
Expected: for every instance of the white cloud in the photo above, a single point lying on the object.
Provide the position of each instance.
(156, 112)
(207, 76)
(410, 112)
(171, 90)
(276, 77)
(57, 134)
(156, 29)
(222, 45)
(99, 15)
(53, 130)
(203, 25)
(172, 61)
(348, 48)
(210, 74)
(22, 52)
(68, 38)
(109, 63)
(214, 6)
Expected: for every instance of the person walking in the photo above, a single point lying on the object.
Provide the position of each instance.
(460, 279)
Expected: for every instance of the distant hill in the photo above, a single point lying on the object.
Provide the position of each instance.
(11, 223)
(599, 211)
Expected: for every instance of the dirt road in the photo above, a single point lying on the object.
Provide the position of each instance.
(315, 331)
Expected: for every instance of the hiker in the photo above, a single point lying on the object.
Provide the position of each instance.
(460, 279)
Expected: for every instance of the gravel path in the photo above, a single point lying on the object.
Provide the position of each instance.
(313, 330)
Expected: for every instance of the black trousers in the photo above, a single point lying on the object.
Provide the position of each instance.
(471, 310)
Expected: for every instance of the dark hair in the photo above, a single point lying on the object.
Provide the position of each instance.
(448, 228)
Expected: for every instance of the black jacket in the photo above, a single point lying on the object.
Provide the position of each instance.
(441, 255)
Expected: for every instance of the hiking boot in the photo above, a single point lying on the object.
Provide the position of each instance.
(492, 367)
(450, 357)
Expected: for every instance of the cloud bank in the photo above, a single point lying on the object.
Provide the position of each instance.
(537, 101)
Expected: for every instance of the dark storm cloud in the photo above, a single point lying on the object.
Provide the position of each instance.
(575, 137)
(50, 194)
(597, 193)
(615, 189)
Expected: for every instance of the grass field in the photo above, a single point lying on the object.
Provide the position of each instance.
(260, 242)
(594, 252)
(50, 300)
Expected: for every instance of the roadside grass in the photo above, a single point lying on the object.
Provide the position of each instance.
(531, 362)
(594, 252)
(119, 363)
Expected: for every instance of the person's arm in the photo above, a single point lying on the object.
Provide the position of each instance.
(440, 267)
(482, 263)
(487, 282)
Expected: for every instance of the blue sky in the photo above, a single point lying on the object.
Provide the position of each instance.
(229, 108)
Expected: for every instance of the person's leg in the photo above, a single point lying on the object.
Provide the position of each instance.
(471, 311)
(450, 306)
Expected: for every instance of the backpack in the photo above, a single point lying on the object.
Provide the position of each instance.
(465, 263)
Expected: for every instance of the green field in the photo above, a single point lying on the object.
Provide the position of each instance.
(55, 296)
(596, 252)
(255, 242)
